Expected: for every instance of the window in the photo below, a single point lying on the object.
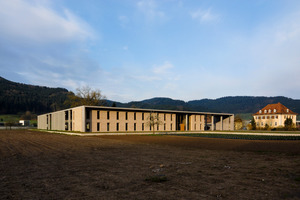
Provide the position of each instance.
(164, 126)
(268, 117)
(143, 126)
(126, 116)
(195, 127)
(287, 110)
(171, 117)
(260, 111)
(134, 116)
(276, 117)
(87, 114)
(275, 123)
(117, 127)
(98, 126)
(126, 126)
(275, 110)
(117, 115)
(164, 117)
(98, 114)
(270, 111)
(171, 126)
(143, 117)
(107, 126)
(134, 126)
(262, 124)
(266, 111)
(107, 114)
(158, 127)
(195, 118)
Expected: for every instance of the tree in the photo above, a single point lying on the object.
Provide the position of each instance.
(253, 124)
(85, 96)
(153, 120)
(288, 124)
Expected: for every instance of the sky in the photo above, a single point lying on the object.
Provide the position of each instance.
(138, 49)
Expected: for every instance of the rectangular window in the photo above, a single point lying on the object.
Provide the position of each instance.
(171, 126)
(195, 118)
(158, 127)
(262, 124)
(126, 116)
(143, 126)
(117, 126)
(134, 126)
(117, 115)
(107, 126)
(107, 114)
(143, 117)
(171, 117)
(134, 116)
(276, 116)
(87, 114)
(164, 126)
(195, 127)
(98, 114)
(126, 126)
(164, 117)
(98, 126)
(275, 123)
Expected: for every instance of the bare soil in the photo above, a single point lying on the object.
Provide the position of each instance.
(38, 165)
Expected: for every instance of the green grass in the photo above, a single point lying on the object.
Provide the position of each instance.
(244, 137)
(5, 118)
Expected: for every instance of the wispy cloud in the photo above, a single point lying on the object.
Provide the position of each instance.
(204, 15)
(42, 44)
(162, 69)
(149, 9)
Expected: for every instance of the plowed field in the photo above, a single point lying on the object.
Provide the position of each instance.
(36, 165)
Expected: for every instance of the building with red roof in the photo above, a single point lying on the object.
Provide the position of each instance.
(274, 116)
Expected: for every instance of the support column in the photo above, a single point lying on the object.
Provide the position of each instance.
(186, 122)
(221, 121)
(212, 122)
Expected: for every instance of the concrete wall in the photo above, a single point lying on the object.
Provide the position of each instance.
(106, 119)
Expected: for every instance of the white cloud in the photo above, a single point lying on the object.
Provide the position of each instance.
(24, 20)
(162, 69)
(42, 45)
(204, 15)
(149, 9)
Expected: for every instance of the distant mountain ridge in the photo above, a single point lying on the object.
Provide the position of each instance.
(17, 97)
(237, 104)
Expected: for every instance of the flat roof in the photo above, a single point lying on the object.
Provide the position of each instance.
(155, 110)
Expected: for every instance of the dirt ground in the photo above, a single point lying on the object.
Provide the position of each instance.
(36, 165)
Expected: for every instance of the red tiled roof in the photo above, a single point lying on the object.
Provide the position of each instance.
(277, 108)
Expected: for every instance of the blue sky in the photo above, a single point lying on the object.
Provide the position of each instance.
(134, 50)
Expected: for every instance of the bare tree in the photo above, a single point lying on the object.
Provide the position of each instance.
(153, 120)
(85, 96)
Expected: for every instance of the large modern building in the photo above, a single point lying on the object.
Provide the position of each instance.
(114, 119)
(274, 116)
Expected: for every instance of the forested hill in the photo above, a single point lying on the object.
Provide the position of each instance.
(18, 98)
(237, 104)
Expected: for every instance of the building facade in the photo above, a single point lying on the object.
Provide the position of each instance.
(273, 115)
(113, 119)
